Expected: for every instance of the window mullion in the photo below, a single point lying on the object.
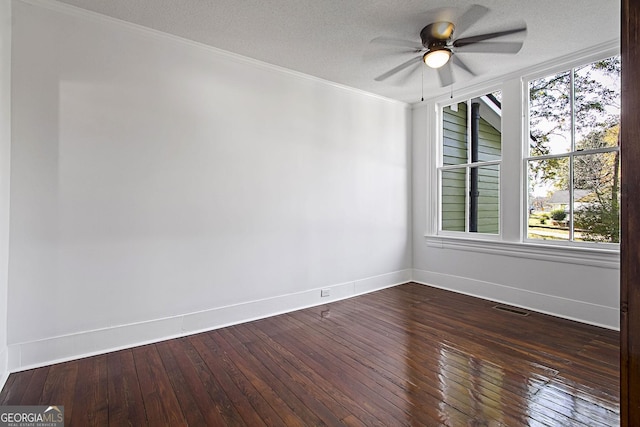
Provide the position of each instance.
(467, 199)
(580, 151)
(467, 225)
(572, 103)
(471, 165)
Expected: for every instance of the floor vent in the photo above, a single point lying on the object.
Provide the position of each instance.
(512, 310)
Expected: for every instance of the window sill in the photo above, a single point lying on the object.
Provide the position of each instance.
(597, 257)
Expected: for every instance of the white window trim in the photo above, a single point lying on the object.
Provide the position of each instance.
(511, 241)
(595, 257)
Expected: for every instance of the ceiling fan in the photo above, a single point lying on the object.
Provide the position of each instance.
(439, 49)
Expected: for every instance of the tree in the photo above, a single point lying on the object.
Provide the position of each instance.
(599, 218)
(599, 222)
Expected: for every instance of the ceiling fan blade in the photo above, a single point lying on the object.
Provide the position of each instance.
(409, 74)
(482, 37)
(491, 47)
(462, 65)
(389, 41)
(445, 74)
(398, 68)
(473, 14)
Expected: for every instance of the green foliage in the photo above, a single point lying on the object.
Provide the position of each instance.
(590, 172)
(599, 217)
(558, 215)
(599, 222)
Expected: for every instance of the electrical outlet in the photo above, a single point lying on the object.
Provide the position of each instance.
(325, 293)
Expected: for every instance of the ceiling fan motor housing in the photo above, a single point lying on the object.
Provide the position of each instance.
(436, 35)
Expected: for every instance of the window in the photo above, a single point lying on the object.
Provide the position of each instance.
(542, 181)
(573, 159)
(469, 167)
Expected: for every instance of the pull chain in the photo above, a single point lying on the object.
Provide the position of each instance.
(422, 99)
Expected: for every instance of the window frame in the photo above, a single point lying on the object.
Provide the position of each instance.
(569, 66)
(513, 203)
(440, 167)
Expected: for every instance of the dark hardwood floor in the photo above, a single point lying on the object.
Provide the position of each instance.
(408, 355)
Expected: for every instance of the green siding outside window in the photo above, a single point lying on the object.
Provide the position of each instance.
(456, 182)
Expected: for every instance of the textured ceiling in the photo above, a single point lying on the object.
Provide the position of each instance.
(330, 39)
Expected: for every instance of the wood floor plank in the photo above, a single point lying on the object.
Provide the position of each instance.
(59, 388)
(92, 391)
(194, 383)
(268, 373)
(407, 355)
(392, 378)
(14, 388)
(472, 336)
(35, 387)
(249, 391)
(248, 368)
(371, 347)
(181, 388)
(160, 402)
(574, 407)
(241, 401)
(126, 405)
(217, 394)
(294, 371)
(345, 377)
(424, 370)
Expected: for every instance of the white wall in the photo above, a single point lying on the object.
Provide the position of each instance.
(574, 284)
(5, 150)
(159, 187)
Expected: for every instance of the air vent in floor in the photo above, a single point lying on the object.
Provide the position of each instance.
(512, 310)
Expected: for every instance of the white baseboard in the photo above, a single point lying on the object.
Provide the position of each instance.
(33, 354)
(594, 314)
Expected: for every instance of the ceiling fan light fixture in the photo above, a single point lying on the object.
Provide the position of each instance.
(436, 58)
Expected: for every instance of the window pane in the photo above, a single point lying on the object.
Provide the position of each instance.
(550, 115)
(596, 179)
(597, 102)
(472, 134)
(481, 210)
(489, 127)
(488, 219)
(454, 133)
(453, 199)
(600, 138)
(549, 199)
